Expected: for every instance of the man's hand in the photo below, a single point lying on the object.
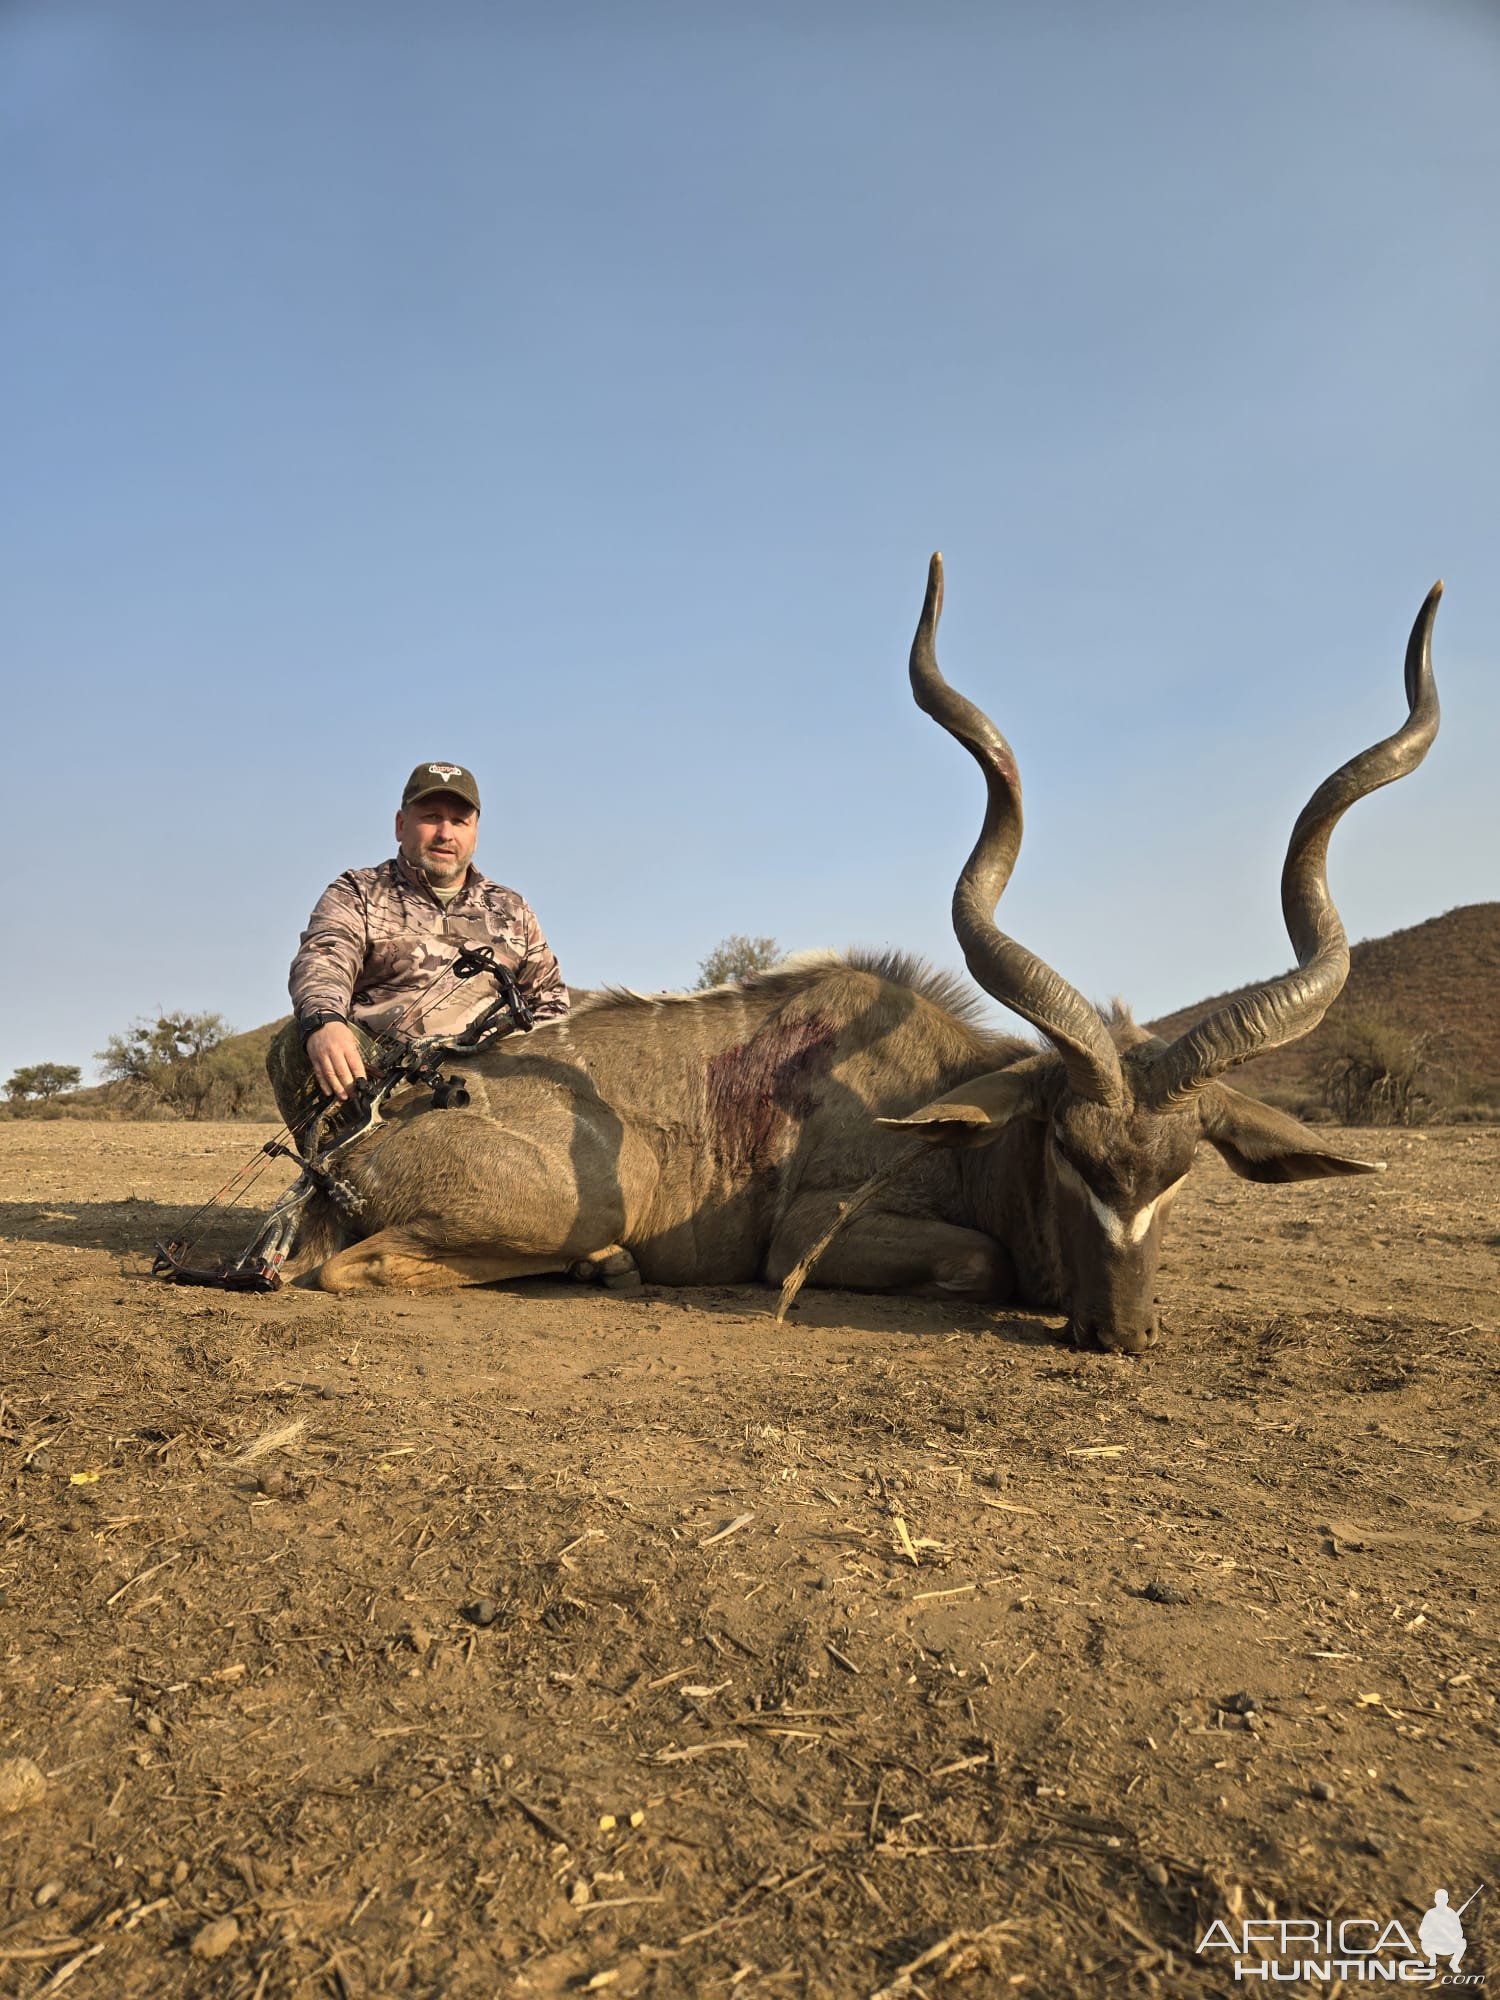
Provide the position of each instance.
(334, 1055)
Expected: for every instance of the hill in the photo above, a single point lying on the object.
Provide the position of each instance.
(1441, 977)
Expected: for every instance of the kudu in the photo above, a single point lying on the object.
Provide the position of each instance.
(714, 1137)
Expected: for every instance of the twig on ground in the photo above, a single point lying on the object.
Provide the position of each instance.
(539, 1820)
(901, 1984)
(269, 1441)
(141, 1578)
(65, 1972)
(741, 1521)
(702, 1749)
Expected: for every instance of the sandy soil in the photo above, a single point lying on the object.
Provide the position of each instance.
(538, 1641)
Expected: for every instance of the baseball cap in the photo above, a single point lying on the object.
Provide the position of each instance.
(429, 778)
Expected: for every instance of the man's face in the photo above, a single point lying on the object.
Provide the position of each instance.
(437, 835)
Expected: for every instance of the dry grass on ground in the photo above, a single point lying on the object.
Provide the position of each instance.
(536, 1641)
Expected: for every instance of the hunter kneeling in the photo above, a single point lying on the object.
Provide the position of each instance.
(379, 949)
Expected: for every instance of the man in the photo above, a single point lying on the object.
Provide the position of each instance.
(378, 949)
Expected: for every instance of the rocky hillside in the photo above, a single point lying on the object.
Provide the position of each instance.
(1442, 977)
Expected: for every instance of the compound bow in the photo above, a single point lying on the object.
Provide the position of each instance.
(400, 1061)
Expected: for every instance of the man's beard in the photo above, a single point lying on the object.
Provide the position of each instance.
(442, 874)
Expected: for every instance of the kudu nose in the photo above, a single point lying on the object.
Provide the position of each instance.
(1117, 1339)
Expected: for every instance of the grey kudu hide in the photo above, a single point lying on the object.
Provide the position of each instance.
(714, 1137)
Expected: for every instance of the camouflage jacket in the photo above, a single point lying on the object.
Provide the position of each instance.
(378, 938)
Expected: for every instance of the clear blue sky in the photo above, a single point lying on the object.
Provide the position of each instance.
(577, 392)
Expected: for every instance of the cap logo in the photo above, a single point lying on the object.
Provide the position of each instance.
(446, 770)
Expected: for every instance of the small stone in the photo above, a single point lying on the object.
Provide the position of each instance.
(1158, 1592)
(483, 1611)
(47, 1895)
(1157, 1875)
(1319, 1789)
(21, 1784)
(216, 1938)
(273, 1483)
(179, 1874)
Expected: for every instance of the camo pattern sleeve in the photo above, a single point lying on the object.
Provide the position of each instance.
(333, 949)
(379, 950)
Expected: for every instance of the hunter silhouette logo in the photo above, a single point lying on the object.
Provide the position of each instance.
(1440, 1933)
(445, 770)
(1329, 1950)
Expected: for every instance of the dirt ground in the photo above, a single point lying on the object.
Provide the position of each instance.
(533, 1640)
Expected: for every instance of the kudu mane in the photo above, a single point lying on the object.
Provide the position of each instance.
(956, 1024)
(947, 991)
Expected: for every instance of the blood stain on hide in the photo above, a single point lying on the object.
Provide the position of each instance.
(760, 1090)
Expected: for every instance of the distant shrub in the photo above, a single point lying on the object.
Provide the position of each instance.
(735, 957)
(1379, 1073)
(1298, 1101)
(38, 1083)
(177, 1066)
(1474, 1104)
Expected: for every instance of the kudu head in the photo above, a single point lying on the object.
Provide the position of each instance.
(1124, 1112)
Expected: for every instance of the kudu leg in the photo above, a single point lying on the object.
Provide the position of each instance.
(879, 1252)
(394, 1259)
(613, 1267)
(469, 1198)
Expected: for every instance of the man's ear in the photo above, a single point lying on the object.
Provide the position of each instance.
(977, 1112)
(1262, 1144)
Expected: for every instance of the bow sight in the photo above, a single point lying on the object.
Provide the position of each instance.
(403, 1063)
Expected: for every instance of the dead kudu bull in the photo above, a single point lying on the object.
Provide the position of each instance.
(713, 1137)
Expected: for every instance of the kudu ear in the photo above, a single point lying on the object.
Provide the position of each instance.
(977, 1112)
(1262, 1144)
